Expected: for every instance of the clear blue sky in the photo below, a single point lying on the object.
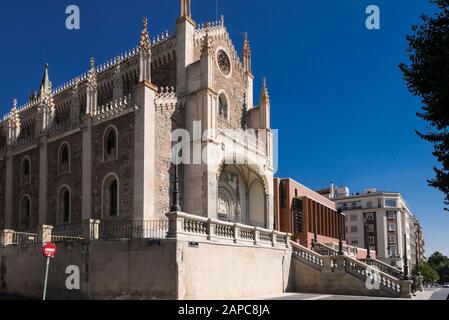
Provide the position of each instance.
(338, 98)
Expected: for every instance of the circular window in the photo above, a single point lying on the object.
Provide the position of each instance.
(224, 63)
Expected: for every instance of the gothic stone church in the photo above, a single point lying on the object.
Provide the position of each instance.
(100, 146)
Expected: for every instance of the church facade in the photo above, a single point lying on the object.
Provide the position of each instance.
(106, 144)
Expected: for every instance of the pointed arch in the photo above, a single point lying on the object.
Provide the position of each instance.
(25, 213)
(110, 196)
(64, 158)
(64, 205)
(110, 143)
(25, 170)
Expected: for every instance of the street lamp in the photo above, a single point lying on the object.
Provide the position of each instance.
(340, 234)
(315, 235)
(406, 277)
(417, 248)
(368, 249)
(176, 207)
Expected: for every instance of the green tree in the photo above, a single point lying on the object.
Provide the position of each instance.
(440, 263)
(429, 274)
(427, 76)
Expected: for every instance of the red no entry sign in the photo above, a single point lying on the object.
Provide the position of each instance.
(49, 250)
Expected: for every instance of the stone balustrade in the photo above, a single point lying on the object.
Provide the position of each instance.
(324, 250)
(332, 263)
(309, 257)
(190, 227)
(87, 230)
(382, 266)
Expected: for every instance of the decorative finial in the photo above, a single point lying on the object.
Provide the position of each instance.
(14, 104)
(92, 62)
(264, 96)
(207, 40)
(145, 42)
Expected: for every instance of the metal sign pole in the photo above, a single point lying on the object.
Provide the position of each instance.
(46, 278)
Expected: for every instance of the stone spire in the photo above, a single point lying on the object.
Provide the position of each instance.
(264, 106)
(13, 125)
(145, 54)
(264, 96)
(206, 47)
(92, 92)
(92, 75)
(185, 9)
(145, 42)
(246, 55)
(45, 86)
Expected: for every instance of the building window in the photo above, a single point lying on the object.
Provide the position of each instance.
(371, 240)
(64, 202)
(353, 229)
(393, 251)
(353, 217)
(298, 216)
(390, 203)
(64, 158)
(369, 204)
(110, 144)
(371, 228)
(354, 242)
(283, 193)
(391, 227)
(392, 239)
(25, 170)
(369, 216)
(391, 215)
(25, 213)
(111, 196)
(223, 106)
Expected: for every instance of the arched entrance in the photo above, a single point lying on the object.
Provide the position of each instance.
(242, 195)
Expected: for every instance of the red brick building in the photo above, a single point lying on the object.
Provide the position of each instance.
(300, 211)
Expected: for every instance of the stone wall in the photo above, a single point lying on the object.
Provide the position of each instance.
(123, 167)
(167, 120)
(138, 269)
(2, 192)
(72, 179)
(215, 271)
(31, 189)
(109, 270)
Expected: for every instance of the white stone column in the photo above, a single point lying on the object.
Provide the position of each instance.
(87, 169)
(185, 31)
(144, 152)
(43, 180)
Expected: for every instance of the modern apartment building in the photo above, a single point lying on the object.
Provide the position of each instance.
(381, 220)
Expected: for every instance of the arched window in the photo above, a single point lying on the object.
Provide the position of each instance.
(222, 106)
(111, 196)
(64, 205)
(25, 170)
(64, 158)
(25, 213)
(110, 144)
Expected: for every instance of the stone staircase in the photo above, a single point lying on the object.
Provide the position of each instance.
(327, 272)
